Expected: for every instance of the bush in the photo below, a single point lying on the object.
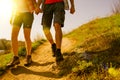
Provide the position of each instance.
(116, 7)
(22, 51)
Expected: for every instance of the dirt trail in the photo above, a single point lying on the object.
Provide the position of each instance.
(42, 66)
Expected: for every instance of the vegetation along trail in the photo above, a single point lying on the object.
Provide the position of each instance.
(43, 66)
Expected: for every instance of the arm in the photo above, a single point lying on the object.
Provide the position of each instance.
(39, 3)
(34, 3)
(72, 9)
(11, 18)
(13, 11)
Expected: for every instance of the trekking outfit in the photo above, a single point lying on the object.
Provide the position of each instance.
(54, 10)
(22, 15)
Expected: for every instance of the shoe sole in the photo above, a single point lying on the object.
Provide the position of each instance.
(27, 65)
(13, 66)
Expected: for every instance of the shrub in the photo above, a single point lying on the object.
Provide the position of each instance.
(116, 7)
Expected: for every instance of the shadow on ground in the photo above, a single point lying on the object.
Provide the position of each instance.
(21, 70)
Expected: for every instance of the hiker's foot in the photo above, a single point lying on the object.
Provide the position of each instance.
(59, 56)
(14, 62)
(53, 49)
(28, 60)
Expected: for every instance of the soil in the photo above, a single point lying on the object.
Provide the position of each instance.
(43, 66)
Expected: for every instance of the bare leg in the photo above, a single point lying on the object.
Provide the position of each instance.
(48, 35)
(14, 39)
(27, 32)
(50, 39)
(58, 35)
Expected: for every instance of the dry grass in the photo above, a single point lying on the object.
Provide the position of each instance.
(116, 7)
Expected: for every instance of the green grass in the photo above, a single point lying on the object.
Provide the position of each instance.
(4, 59)
(100, 39)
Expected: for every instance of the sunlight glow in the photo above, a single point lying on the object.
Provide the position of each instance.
(5, 9)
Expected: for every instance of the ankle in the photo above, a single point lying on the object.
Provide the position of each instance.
(28, 55)
(58, 50)
(16, 57)
(53, 44)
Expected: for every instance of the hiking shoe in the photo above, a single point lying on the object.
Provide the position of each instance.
(28, 60)
(59, 56)
(53, 49)
(14, 62)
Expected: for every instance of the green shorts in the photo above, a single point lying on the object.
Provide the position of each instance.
(53, 12)
(25, 19)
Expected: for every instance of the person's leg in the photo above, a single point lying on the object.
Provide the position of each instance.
(27, 32)
(27, 25)
(50, 39)
(17, 22)
(48, 34)
(58, 35)
(58, 38)
(59, 16)
(46, 22)
(14, 41)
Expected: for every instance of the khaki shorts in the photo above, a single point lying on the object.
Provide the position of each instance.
(25, 19)
(53, 12)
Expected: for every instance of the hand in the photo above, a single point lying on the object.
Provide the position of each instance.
(38, 10)
(32, 11)
(72, 10)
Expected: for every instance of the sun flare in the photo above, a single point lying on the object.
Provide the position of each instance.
(5, 8)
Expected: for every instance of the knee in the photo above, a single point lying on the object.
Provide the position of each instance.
(57, 27)
(46, 29)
